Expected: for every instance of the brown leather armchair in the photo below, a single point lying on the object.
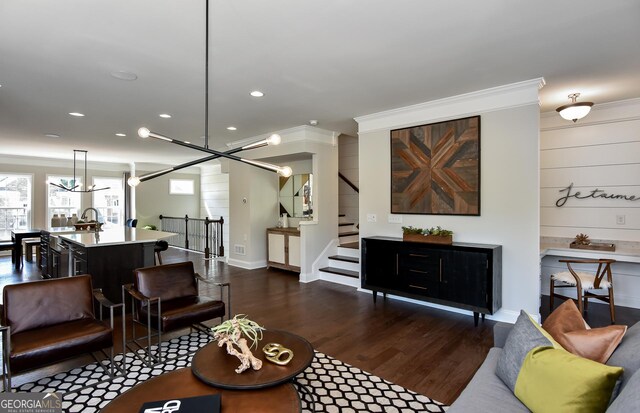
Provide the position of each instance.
(166, 298)
(48, 321)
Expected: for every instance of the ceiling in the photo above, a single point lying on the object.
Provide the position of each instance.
(329, 60)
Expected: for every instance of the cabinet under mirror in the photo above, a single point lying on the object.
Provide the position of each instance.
(295, 196)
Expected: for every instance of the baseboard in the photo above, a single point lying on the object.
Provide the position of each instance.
(307, 278)
(504, 315)
(247, 265)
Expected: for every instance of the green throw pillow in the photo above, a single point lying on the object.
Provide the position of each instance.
(546, 378)
(553, 380)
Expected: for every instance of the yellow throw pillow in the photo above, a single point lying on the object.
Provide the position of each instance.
(553, 380)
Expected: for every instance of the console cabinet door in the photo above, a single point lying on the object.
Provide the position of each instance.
(293, 249)
(467, 278)
(276, 248)
(379, 263)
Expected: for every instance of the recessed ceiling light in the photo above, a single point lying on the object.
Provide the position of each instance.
(76, 114)
(124, 75)
(257, 94)
(187, 142)
(51, 135)
(232, 128)
(164, 115)
(121, 134)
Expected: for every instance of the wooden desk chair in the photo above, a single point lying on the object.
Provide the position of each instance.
(585, 283)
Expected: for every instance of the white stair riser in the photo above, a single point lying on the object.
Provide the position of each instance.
(344, 265)
(346, 228)
(340, 279)
(349, 252)
(348, 239)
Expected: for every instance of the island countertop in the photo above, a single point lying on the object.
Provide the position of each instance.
(115, 236)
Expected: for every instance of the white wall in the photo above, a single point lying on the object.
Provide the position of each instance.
(214, 194)
(246, 220)
(600, 151)
(509, 182)
(153, 199)
(349, 167)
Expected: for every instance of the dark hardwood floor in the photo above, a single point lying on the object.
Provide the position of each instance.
(432, 352)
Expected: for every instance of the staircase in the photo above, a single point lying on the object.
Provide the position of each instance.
(344, 266)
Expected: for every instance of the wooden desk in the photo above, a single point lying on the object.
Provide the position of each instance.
(625, 252)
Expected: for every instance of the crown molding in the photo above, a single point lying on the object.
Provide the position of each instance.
(295, 134)
(488, 100)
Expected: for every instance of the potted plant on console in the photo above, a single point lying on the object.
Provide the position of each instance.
(432, 235)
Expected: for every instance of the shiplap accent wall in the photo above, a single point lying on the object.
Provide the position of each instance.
(214, 191)
(600, 151)
(348, 165)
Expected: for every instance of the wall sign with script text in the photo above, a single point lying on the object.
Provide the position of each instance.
(594, 193)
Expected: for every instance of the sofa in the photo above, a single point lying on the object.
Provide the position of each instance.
(487, 393)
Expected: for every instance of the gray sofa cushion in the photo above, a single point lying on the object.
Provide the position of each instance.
(486, 393)
(627, 355)
(629, 399)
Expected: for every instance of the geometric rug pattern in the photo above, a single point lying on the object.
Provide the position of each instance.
(336, 386)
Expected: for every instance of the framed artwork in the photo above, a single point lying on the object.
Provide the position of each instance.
(181, 186)
(435, 168)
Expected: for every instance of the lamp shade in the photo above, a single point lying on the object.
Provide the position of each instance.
(575, 110)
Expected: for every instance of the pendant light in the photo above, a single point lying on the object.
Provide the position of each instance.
(575, 110)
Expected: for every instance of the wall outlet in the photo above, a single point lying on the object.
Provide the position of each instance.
(371, 218)
(620, 219)
(394, 219)
(239, 249)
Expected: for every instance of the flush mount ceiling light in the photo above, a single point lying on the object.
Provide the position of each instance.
(164, 115)
(232, 128)
(213, 154)
(51, 135)
(575, 110)
(124, 75)
(73, 185)
(76, 114)
(122, 135)
(257, 94)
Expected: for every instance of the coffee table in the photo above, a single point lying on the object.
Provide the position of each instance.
(182, 383)
(214, 366)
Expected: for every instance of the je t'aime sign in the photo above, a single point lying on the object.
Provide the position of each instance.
(595, 193)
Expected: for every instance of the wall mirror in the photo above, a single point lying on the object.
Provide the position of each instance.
(295, 196)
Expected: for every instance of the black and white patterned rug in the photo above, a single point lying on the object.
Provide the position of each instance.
(337, 387)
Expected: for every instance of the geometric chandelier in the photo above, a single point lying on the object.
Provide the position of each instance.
(74, 185)
(213, 154)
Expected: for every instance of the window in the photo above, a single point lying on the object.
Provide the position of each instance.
(60, 201)
(181, 186)
(109, 202)
(15, 202)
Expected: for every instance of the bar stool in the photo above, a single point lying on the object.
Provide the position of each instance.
(29, 243)
(161, 245)
(584, 283)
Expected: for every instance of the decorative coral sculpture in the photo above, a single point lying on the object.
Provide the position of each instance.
(582, 239)
(231, 333)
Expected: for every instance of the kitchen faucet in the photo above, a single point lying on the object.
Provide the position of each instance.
(84, 214)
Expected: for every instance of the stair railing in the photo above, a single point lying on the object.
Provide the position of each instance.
(195, 234)
(348, 182)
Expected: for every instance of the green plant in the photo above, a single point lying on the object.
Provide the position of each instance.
(411, 230)
(435, 231)
(238, 326)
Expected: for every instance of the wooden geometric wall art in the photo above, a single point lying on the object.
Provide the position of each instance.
(435, 168)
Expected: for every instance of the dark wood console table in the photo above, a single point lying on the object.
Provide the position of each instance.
(460, 275)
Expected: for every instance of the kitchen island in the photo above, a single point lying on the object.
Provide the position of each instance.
(110, 256)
